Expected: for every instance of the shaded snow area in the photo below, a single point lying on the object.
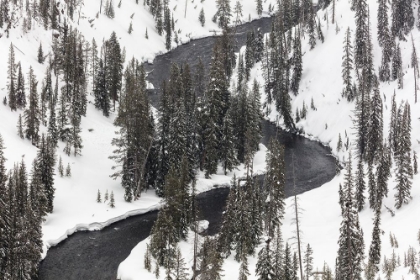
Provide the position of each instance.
(321, 214)
(75, 206)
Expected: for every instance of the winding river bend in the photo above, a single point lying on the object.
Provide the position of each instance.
(97, 254)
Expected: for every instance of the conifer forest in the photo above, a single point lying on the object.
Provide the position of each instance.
(209, 139)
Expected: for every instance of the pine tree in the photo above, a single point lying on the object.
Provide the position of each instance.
(68, 170)
(297, 64)
(202, 17)
(130, 28)
(60, 167)
(167, 27)
(223, 13)
(375, 130)
(274, 183)
(20, 89)
(288, 263)
(308, 262)
(383, 25)
(40, 55)
(397, 65)
(259, 7)
(180, 269)
(319, 31)
(229, 160)
(20, 127)
(11, 79)
(243, 270)
(113, 66)
(339, 143)
(147, 259)
(361, 34)
(112, 200)
(403, 160)
(135, 137)
(415, 168)
(383, 173)
(32, 114)
(311, 27)
(350, 252)
(360, 186)
(264, 269)
(109, 9)
(4, 212)
(347, 67)
(375, 246)
(98, 197)
(45, 162)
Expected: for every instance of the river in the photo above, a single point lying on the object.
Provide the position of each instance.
(97, 254)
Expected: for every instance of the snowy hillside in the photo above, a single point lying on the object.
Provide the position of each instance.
(321, 217)
(75, 206)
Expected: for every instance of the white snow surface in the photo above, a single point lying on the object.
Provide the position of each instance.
(75, 206)
(321, 216)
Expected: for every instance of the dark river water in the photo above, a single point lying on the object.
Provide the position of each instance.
(97, 254)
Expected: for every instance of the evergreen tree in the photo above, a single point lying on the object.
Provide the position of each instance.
(135, 136)
(4, 213)
(375, 130)
(264, 269)
(109, 9)
(243, 270)
(259, 7)
(297, 64)
(308, 262)
(130, 28)
(68, 170)
(347, 67)
(319, 29)
(350, 252)
(397, 66)
(202, 17)
(415, 168)
(113, 66)
(249, 53)
(180, 270)
(20, 127)
(229, 160)
(147, 259)
(259, 46)
(274, 183)
(31, 114)
(102, 97)
(361, 120)
(20, 89)
(45, 163)
(361, 34)
(311, 27)
(288, 263)
(372, 187)
(383, 25)
(60, 167)
(167, 27)
(375, 246)
(112, 200)
(40, 55)
(98, 197)
(403, 160)
(383, 174)
(277, 255)
(223, 13)
(11, 79)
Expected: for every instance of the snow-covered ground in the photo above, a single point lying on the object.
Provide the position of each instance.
(75, 206)
(321, 217)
